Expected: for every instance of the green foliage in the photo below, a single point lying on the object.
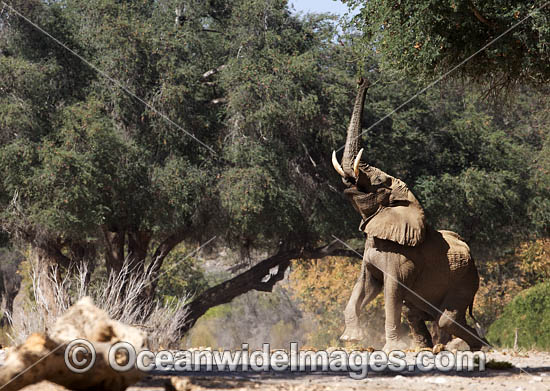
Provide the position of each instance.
(468, 163)
(30, 115)
(285, 91)
(431, 37)
(539, 207)
(180, 276)
(97, 159)
(103, 160)
(529, 314)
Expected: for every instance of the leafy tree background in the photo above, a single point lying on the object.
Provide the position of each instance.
(428, 38)
(89, 173)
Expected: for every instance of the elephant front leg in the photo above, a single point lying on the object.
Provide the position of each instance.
(365, 290)
(393, 302)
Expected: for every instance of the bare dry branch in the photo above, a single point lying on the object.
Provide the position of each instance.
(206, 75)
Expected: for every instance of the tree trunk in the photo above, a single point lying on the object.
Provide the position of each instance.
(138, 243)
(160, 254)
(114, 250)
(10, 288)
(49, 291)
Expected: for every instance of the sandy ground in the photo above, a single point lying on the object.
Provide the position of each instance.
(534, 375)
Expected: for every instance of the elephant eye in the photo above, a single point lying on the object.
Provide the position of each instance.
(377, 181)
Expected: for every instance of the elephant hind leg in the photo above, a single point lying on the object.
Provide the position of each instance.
(454, 322)
(420, 333)
(439, 335)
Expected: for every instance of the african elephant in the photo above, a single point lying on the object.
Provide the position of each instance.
(431, 272)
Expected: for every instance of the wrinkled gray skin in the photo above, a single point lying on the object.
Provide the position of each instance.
(430, 272)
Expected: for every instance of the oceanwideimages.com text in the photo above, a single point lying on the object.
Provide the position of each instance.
(80, 357)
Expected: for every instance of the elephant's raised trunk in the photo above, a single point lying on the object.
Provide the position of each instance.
(351, 148)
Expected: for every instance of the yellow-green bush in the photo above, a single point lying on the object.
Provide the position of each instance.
(529, 314)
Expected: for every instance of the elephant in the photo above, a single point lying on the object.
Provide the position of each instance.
(431, 273)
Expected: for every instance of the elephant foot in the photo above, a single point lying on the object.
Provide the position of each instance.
(352, 334)
(395, 345)
(421, 342)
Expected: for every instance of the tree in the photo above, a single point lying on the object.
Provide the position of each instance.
(10, 281)
(89, 171)
(430, 38)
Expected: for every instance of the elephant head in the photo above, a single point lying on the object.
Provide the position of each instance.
(389, 210)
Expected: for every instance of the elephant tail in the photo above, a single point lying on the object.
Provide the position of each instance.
(477, 325)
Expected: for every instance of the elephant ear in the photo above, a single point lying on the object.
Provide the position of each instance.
(403, 221)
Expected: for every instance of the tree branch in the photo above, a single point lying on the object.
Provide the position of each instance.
(478, 15)
(261, 277)
(49, 247)
(162, 251)
(211, 31)
(217, 101)
(52, 251)
(206, 75)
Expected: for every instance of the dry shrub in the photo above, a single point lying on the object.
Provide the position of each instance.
(119, 294)
(502, 279)
(535, 260)
(492, 297)
(322, 288)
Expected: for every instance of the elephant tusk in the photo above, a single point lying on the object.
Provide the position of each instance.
(356, 163)
(337, 165)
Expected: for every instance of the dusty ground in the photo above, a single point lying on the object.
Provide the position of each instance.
(534, 375)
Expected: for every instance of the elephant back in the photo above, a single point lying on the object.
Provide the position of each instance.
(458, 252)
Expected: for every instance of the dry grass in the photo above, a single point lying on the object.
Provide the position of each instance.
(119, 294)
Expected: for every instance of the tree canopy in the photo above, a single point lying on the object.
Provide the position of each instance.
(90, 172)
(430, 37)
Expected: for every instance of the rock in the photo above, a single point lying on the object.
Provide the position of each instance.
(42, 357)
(179, 384)
(85, 320)
(457, 344)
(437, 380)
(438, 348)
(45, 386)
